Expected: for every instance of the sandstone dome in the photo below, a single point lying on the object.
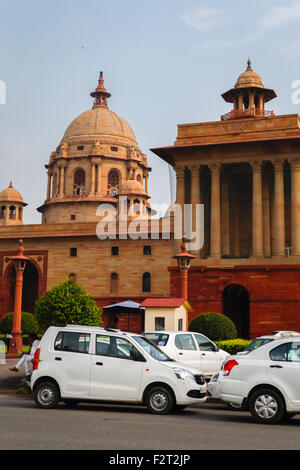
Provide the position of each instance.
(249, 78)
(99, 122)
(10, 194)
(132, 187)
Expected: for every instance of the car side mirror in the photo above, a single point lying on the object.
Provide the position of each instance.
(217, 348)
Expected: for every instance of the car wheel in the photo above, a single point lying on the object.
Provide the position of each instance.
(46, 395)
(160, 400)
(267, 406)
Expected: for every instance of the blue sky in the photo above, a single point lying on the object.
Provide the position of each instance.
(165, 62)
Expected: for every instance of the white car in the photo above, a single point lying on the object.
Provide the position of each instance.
(81, 363)
(193, 349)
(266, 380)
(260, 340)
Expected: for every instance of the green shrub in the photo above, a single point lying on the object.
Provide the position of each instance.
(233, 346)
(67, 303)
(215, 326)
(29, 323)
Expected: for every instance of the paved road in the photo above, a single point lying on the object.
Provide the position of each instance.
(105, 427)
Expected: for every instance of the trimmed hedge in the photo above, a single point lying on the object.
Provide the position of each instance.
(29, 324)
(215, 326)
(233, 346)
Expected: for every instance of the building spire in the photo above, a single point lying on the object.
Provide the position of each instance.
(100, 94)
(249, 64)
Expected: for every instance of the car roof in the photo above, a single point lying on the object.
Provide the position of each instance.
(268, 346)
(95, 329)
(279, 334)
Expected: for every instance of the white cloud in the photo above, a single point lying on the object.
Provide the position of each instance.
(201, 19)
(279, 16)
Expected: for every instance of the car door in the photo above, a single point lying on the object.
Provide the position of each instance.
(115, 375)
(186, 350)
(283, 367)
(71, 362)
(210, 360)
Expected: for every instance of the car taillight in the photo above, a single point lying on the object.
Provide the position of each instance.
(228, 366)
(36, 359)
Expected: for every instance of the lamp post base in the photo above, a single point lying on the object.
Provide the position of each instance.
(15, 347)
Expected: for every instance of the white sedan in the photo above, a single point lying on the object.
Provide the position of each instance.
(266, 380)
(193, 349)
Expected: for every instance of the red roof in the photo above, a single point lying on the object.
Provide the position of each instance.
(167, 302)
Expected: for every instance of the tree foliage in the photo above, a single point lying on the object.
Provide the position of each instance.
(215, 326)
(67, 303)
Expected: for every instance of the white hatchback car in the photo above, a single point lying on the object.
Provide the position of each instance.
(193, 349)
(81, 363)
(266, 380)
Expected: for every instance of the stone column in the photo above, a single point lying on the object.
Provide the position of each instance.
(49, 185)
(62, 181)
(180, 194)
(257, 225)
(225, 217)
(93, 179)
(266, 215)
(279, 217)
(295, 199)
(99, 175)
(195, 197)
(215, 212)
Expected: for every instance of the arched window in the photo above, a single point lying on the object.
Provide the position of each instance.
(139, 178)
(12, 213)
(79, 182)
(114, 283)
(72, 277)
(20, 213)
(146, 282)
(113, 182)
(2, 212)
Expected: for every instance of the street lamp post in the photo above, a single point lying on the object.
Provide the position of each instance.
(184, 261)
(15, 345)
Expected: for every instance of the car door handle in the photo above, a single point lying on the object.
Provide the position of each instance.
(203, 354)
(276, 366)
(180, 354)
(99, 363)
(58, 358)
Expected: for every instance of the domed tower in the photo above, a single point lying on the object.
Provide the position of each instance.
(135, 200)
(97, 153)
(11, 207)
(248, 96)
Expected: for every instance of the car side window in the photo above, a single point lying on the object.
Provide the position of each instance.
(72, 342)
(185, 342)
(286, 352)
(113, 346)
(204, 343)
(279, 353)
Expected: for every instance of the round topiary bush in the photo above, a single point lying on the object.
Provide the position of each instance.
(29, 324)
(67, 303)
(215, 326)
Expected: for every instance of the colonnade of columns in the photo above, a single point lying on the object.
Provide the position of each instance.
(267, 239)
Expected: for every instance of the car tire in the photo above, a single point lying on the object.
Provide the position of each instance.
(267, 406)
(160, 400)
(46, 395)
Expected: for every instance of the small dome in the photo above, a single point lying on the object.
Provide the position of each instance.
(249, 79)
(10, 194)
(132, 187)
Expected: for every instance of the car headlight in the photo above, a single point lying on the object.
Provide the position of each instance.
(184, 374)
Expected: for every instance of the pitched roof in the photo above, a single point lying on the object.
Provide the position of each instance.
(167, 302)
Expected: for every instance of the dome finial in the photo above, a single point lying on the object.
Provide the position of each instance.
(100, 94)
(249, 64)
(10, 185)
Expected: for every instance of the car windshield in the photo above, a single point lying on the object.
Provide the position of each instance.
(160, 339)
(151, 349)
(257, 342)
